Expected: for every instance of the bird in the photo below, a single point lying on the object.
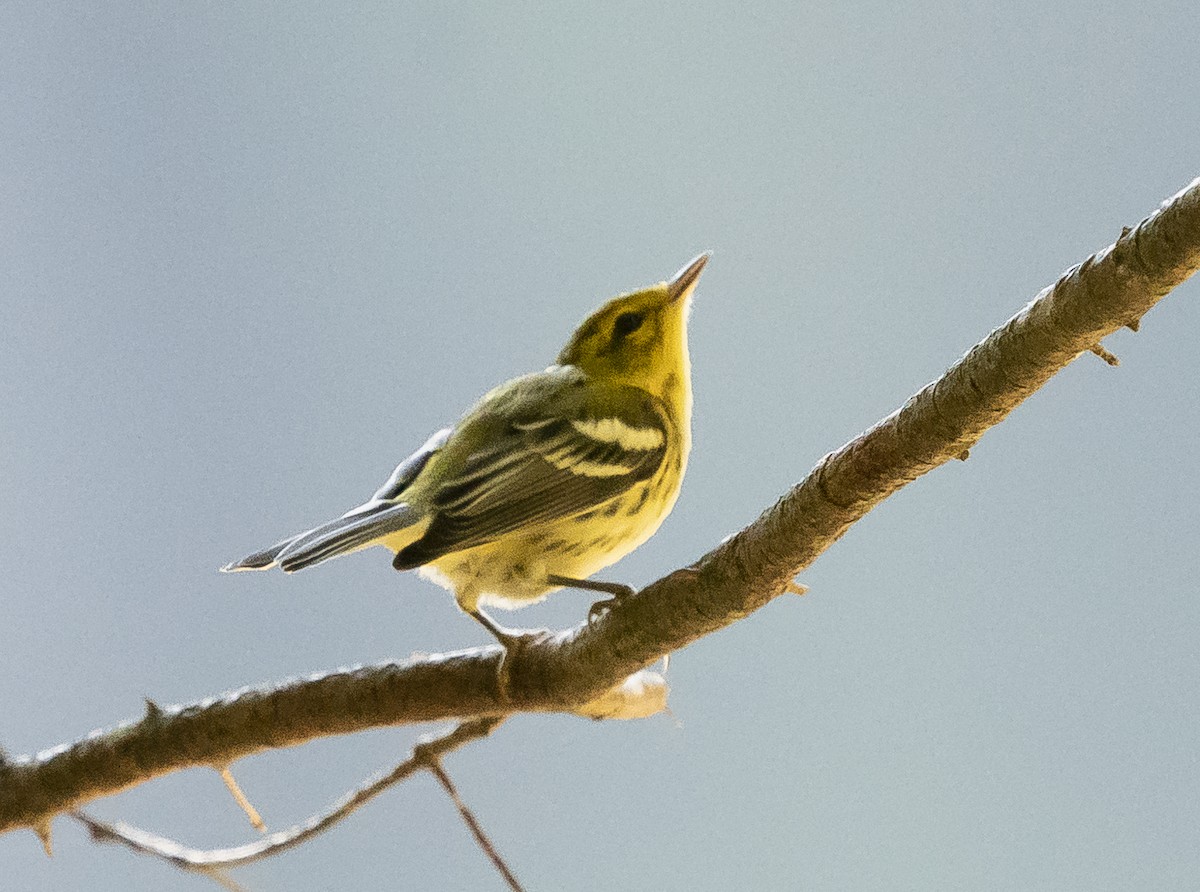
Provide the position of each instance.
(547, 479)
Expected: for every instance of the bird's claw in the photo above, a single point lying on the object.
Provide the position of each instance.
(601, 609)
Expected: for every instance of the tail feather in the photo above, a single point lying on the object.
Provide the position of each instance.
(260, 560)
(357, 529)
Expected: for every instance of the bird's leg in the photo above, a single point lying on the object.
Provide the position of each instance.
(618, 591)
(501, 633)
(512, 640)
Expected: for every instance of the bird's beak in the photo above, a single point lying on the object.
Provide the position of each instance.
(683, 282)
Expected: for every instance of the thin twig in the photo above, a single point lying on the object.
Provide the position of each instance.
(473, 825)
(1099, 350)
(207, 860)
(224, 880)
(239, 797)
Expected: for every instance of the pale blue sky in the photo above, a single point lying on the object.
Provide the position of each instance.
(255, 254)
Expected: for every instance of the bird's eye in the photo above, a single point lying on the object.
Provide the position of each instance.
(628, 323)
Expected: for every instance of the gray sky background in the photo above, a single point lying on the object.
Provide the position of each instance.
(253, 255)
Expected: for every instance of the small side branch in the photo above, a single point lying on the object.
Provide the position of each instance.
(473, 825)
(239, 797)
(210, 861)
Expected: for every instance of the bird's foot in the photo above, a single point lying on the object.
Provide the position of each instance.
(601, 609)
(513, 641)
(620, 592)
(617, 591)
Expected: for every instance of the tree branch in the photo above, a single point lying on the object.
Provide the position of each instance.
(1109, 290)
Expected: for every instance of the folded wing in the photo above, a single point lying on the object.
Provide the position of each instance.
(536, 464)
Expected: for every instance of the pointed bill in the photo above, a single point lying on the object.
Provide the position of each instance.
(682, 283)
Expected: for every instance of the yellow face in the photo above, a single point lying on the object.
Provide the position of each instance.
(638, 338)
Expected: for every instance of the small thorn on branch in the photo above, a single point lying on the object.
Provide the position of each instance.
(154, 712)
(796, 588)
(1105, 355)
(1133, 324)
(44, 834)
(239, 797)
(1125, 230)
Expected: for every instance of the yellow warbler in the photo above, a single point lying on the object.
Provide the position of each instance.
(547, 479)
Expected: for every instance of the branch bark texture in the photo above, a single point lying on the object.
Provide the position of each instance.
(563, 672)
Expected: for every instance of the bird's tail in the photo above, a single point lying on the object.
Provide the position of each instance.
(260, 560)
(354, 530)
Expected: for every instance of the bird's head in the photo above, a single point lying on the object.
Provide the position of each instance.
(639, 338)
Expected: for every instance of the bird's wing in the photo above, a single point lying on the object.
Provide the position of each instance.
(559, 451)
(406, 472)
